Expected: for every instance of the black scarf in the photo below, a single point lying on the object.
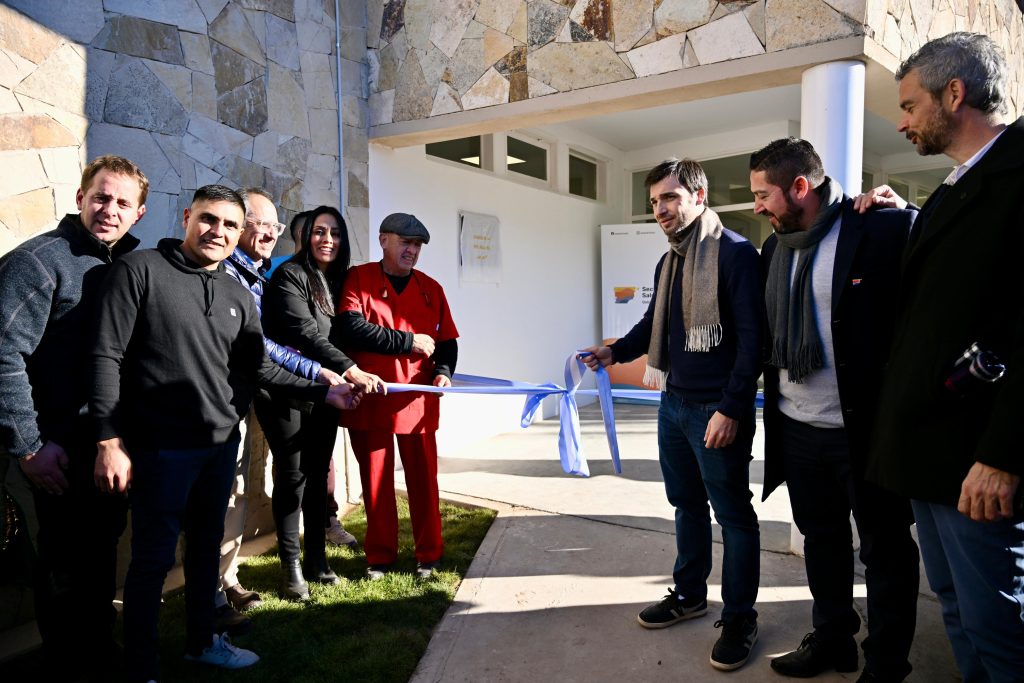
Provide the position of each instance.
(791, 317)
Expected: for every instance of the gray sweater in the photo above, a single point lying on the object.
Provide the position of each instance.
(48, 287)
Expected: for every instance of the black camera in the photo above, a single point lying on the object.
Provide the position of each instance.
(974, 369)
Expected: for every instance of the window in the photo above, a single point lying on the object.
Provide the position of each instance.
(917, 186)
(744, 221)
(527, 159)
(582, 176)
(463, 150)
(728, 180)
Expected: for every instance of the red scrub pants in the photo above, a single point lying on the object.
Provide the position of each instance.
(375, 452)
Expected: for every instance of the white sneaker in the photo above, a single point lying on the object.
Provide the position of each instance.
(336, 534)
(225, 655)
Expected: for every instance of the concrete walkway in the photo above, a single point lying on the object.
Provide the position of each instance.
(554, 591)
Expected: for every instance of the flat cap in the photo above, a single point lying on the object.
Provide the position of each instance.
(406, 225)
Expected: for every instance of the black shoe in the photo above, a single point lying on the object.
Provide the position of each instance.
(241, 599)
(733, 647)
(874, 677)
(425, 570)
(816, 655)
(376, 572)
(231, 621)
(293, 586)
(318, 571)
(672, 609)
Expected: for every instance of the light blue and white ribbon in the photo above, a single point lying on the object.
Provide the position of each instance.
(570, 447)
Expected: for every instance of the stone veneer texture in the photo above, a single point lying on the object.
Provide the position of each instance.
(240, 92)
(434, 58)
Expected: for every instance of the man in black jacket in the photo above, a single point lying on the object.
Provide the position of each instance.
(954, 446)
(177, 356)
(831, 274)
(48, 287)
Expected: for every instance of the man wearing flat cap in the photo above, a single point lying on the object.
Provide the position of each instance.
(394, 322)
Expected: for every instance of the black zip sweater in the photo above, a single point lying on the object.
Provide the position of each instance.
(178, 353)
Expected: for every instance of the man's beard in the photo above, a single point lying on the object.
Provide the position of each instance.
(937, 133)
(789, 220)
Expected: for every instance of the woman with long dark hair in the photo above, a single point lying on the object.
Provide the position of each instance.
(298, 307)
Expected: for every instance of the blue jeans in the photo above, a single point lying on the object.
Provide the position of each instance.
(693, 476)
(977, 572)
(173, 491)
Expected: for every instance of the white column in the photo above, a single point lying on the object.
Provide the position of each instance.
(832, 119)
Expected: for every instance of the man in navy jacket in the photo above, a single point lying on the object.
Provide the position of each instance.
(831, 278)
(701, 334)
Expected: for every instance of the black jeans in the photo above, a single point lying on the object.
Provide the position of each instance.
(302, 444)
(824, 487)
(174, 491)
(75, 567)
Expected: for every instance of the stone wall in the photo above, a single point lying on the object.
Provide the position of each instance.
(434, 57)
(241, 92)
(902, 26)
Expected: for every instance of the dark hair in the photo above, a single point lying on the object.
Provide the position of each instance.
(218, 193)
(971, 57)
(247, 192)
(784, 159)
(119, 165)
(690, 174)
(297, 224)
(326, 286)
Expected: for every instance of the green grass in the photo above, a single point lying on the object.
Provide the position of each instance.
(356, 631)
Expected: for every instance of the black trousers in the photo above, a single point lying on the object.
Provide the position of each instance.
(75, 574)
(301, 443)
(824, 488)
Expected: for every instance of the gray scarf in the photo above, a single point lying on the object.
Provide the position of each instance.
(791, 317)
(696, 246)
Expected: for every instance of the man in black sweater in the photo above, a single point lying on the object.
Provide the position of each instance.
(701, 334)
(48, 287)
(177, 357)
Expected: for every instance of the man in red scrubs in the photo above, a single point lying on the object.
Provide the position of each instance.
(394, 321)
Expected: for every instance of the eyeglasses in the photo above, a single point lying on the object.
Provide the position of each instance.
(266, 226)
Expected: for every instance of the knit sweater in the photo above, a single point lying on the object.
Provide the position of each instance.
(728, 373)
(48, 288)
(178, 353)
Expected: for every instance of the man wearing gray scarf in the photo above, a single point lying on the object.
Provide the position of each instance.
(831, 274)
(701, 334)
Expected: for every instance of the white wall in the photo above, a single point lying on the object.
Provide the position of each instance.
(547, 303)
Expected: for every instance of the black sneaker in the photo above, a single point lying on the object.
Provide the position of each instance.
(376, 572)
(231, 621)
(817, 655)
(671, 610)
(733, 647)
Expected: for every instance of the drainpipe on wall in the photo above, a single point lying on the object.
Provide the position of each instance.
(341, 139)
(341, 201)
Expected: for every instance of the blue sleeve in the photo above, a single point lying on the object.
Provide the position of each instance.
(292, 361)
(742, 279)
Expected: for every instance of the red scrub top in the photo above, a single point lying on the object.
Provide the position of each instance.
(421, 308)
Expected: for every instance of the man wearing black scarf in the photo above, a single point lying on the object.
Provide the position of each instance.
(831, 273)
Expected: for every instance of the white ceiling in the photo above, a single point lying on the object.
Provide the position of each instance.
(647, 127)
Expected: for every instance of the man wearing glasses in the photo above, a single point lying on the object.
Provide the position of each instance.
(248, 264)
